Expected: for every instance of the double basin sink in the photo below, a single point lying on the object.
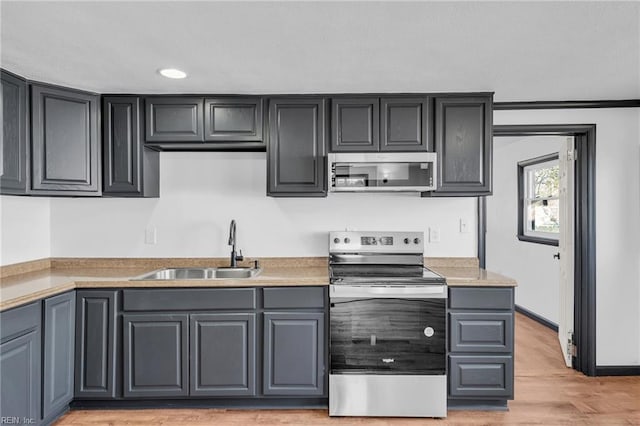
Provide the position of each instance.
(200, 273)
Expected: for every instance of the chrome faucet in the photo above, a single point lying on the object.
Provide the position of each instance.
(232, 242)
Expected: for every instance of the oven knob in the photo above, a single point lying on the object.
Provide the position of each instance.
(406, 241)
(347, 240)
(428, 332)
(416, 240)
(336, 240)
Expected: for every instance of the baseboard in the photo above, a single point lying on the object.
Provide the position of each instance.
(618, 370)
(537, 318)
(235, 403)
(477, 404)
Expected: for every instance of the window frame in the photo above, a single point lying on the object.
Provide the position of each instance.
(522, 236)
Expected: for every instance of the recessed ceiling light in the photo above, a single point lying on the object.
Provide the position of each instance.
(172, 73)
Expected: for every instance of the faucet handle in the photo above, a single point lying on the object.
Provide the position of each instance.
(256, 264)
(240, 257)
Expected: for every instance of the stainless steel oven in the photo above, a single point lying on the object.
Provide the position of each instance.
(387, 327)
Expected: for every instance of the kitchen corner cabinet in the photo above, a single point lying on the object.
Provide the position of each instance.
(481, 324)
(58, 354)
(463, 142)
(20, 363)
(15, 147)
(296, 152)
(129, 169)
(65, 159)
(96, 344)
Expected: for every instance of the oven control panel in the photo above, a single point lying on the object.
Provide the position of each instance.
(375, 241)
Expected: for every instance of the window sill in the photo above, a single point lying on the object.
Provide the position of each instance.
(538, 240)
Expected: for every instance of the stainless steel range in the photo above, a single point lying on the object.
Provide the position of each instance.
(387, 327)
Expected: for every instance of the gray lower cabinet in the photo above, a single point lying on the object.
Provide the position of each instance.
(156, 355)
(174, 119)
(355, 124)
(223, 354)
(294, 353)
(15, 147)
(58, 353)
(129, 169)
(20, 364)
(463, 142)
(481, 342)
(64, 139)
(96, 344)
(296, 152)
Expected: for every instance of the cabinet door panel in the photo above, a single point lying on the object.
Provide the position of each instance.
(233, 119)
(222, 354)
(481, 331)
(405, 124)
(65, 141)
(297, 150)
(464, 145)
(15, 147)
(59, 344)
(95, 348)
(20, 379)
(480, 376)
(294, 353)
(355, 124)
(175, 119)
(155, 355)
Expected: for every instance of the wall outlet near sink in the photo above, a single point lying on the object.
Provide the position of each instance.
(434, 235)
(151, 235)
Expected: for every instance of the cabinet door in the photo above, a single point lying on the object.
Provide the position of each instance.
(294, 353)
(20, 378)
(405, 124)
(296, 160)
(174, 119)
(464, 142)
(355, 124)
(233, 119)
(481, 331)
(64, 136)
(128, 168)
(59, 344)
(156, 360)
(14, 175)
(96, 338)
(479, 376)
(223, 358)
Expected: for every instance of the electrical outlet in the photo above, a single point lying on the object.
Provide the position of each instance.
(434, 235)
(464, 226)
(151, 235)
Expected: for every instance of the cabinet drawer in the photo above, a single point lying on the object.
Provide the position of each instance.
(19, 321)
(480, 298)
(294, 297)
(481, 376)
(481, 331)
(189, 299)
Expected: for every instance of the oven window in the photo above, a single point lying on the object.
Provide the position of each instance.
(388, 336)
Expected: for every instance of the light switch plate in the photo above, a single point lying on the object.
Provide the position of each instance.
(464, 226)
(151, 235)
(434, 235)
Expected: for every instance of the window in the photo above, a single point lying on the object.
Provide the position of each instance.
(539, 200)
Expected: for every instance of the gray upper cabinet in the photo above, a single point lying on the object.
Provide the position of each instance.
(464, 140)
(96, 344)
(223, 354)
(355, 124)
(58, 353)
(64, 135)
(174, 119)
(294, 353)
(405, 124)
(20, 364)
(296, 159)
(129, 169)
(233, 119)
(156, 360)
(15, 147)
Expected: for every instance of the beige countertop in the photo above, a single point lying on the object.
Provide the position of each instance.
(31, 281)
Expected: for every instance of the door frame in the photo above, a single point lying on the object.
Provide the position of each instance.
(584, 316)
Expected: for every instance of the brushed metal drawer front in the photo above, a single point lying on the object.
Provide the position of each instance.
(480, 376)
(481, 331)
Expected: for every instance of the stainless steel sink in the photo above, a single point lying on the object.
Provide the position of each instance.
(199, 273)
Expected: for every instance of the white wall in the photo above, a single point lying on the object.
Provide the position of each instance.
(25, 232)
(202, 192)
(617, 223)
(531, 265)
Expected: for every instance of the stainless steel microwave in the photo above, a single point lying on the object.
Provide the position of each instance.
(382, 172)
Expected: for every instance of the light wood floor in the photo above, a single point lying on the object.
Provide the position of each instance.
(546, 393)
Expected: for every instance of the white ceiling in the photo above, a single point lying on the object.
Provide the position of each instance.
(522, 51)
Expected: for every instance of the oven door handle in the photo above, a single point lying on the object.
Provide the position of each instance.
(412, 292)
